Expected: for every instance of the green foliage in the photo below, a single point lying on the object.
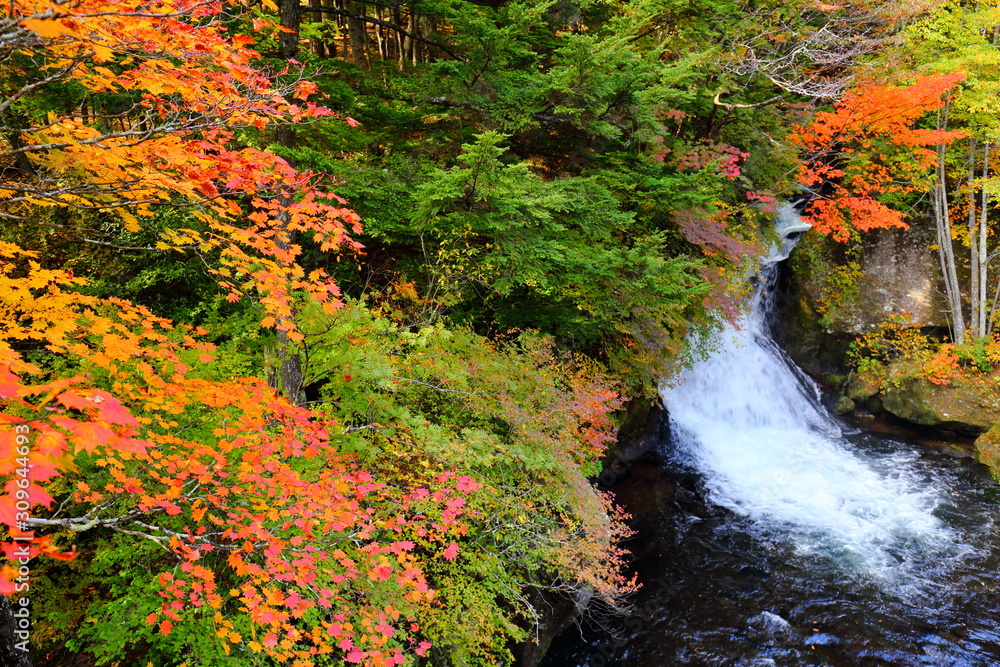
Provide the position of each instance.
(119, 263)
(529, 177)
(832, 272)
(980, 353)
(104, 596)
(527, 423)
(499, 235)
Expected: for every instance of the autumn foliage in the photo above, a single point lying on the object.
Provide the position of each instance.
(190, 86)
(868, 148)
(270, 532)
(256, 480)
(404, 510)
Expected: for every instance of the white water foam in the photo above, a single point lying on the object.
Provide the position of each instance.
(752, 423)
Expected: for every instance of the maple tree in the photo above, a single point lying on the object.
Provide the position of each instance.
(268, 529)
(117, 107)
(257, 480)
(867, 148)
(524, 420)
(245, 488)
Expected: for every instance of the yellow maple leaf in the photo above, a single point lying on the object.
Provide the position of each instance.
(50, 28)
(131, 222)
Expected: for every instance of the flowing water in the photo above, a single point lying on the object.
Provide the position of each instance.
(773, 534)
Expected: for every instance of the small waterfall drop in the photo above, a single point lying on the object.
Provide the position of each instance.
(752, 424)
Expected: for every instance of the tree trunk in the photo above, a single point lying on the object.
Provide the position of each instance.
(358, 31)
(317, 43)
(288, 42)
(289, 378)
(426, 27)
(974, 303)
(380, 36)
(331, 46)
(946, 254)
(983, 259)
(345, 44)
(397, 18)
(410, 44)
(17, 120)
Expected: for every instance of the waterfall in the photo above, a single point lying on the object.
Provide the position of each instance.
(752, 424)
(820, 544)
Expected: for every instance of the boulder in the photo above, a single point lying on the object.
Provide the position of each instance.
(556, 611)
(644, 429)
(843, 405)
(987, 450)
(864, 385)
(898, 276)
(954, 407)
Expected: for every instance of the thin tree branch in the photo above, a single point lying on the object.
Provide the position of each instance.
(718, 102)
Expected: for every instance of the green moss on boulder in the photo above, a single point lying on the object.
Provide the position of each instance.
(864, 384)
(843, 405)
(955, 406)
(987, 450)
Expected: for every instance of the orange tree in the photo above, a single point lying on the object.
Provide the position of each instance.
(117, 107)
(261, 528)
(867, 149)
(210, 518)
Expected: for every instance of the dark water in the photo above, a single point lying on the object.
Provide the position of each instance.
(725, 589)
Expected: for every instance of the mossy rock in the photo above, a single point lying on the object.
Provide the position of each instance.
(987, 450)
(864, 384)
(843, 405)
(955, 406)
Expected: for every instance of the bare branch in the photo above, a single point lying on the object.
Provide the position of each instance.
(718, 102)
(816, 57)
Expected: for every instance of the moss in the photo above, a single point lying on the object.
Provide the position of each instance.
(960, 405)
(987, 450)
(866, 383)
(843, 405)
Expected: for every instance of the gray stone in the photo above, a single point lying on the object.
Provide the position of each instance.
(899, 277)
(644, 429)
(770, 623)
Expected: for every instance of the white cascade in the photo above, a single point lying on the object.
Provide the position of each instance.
(752, 424)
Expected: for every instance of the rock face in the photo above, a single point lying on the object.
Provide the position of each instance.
(898, 276)
(645, 426)
(987, 449)
(556, 612)
(834, 296)
(952, 407)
